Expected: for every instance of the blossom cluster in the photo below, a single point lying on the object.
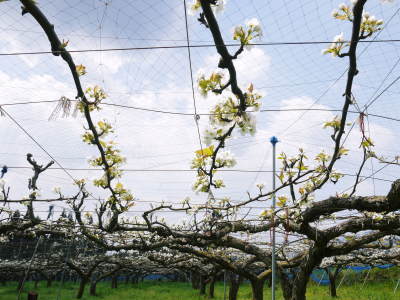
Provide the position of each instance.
(204, 160)
(110, 159)
(223, 116)
(295, 166)
(217, 7)
(228, 114)
(337, 45)
(246, 34)
(212, 83)
(369, 25)
(96, 95)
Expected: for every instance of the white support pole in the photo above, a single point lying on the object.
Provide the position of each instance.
(397, 285)
(341, 281)
(365, 279)
(273, 141)
(322, 278)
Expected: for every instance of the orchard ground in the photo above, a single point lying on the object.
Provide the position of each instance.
(183, 291)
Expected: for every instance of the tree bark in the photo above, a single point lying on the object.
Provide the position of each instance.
(20, 282)
(93, 286)
(269, 280)
(81, 289)
(286, 284)
(135, 279)
(202, 285)
(194, 278)
(114, 281)
(49, 282)
(211, 287)
(313, 259)
(332, 288)
(235, 281)
(257, 287)
(332, 280)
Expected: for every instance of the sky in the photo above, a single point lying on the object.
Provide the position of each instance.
(288, 76)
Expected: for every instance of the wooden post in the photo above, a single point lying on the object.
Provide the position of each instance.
(32, 296)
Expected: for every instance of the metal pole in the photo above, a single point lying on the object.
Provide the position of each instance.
(397, 285)
(273, 141)
(365, 280)
(344, 275)
(28, 269)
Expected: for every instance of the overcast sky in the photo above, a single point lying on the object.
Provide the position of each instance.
(289, 76)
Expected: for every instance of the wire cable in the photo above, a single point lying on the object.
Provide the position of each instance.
(196, 116)
(205, 114)
(186, 46)
(37, 143)
(342, 74)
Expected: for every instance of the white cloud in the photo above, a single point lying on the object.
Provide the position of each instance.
(251, 65)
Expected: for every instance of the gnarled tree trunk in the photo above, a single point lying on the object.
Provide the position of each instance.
(81, 289)
(194, 278)
(93, 286)
(127, 277)
(269, 280)
(234, 284)
(257, 287)
(211, 287)
(20, 282)
(332, 280)
(135, 279)
(286, 284)
(313, 259)
(202, 286)
(49, 282)
(114, 282)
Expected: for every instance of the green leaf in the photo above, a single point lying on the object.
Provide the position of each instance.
(206, 151)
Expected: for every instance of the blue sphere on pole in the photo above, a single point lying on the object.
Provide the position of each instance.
(273, 140)
(3, 171)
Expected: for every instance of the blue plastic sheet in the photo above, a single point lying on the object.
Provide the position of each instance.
(387, 266)
(319, 280)
(359, 268)
(290, 275)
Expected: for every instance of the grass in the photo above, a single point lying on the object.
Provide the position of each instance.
(149, 290)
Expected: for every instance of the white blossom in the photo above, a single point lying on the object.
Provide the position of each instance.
(220, 6)
(336, 46)
(338, 38)
(57, 190)
(227, 157)
(335, 13)
(254, 24)
(237, 30)
(260, 186)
